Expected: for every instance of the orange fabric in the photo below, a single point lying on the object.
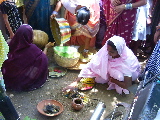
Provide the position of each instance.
(92, 27)
(79, 40)
(2, 1)
(90, 30)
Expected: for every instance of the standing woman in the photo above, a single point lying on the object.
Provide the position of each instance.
(120, 16)
(38, 15)
(11, 16)
(140, 26)
(83, 18)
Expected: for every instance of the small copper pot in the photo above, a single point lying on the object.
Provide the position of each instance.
(77, 104)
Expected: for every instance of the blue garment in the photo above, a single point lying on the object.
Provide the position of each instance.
(153, 64)
(38, 14)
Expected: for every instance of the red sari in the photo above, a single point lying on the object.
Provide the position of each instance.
(120, 24)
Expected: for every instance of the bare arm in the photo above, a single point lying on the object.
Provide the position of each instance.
(58, 7)
(65, 14)
(73, 85)
(24, 16)
(124, 84)
(120, 8)
(5, 17)
(48, 45)
(139, 3)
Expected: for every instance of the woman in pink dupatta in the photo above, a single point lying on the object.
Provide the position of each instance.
(83, 35)
(117, 67)
(119, 20)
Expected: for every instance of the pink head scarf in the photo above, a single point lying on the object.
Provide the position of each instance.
(103, 65)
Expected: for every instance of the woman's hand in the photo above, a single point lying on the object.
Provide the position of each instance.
(123, 84)
(115, 2)
(111, 79)
(49, 45)
(119, 8)
(72, 86)
(157, 34)
(53, 16)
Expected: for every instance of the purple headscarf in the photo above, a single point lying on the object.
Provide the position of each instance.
(27, 66)
(26, 33)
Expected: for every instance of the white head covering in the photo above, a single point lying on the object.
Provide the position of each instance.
(119, 42)
(101, 66)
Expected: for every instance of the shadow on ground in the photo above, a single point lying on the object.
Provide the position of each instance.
(26, 102)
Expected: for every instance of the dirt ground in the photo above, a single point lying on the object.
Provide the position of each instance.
(26, 102)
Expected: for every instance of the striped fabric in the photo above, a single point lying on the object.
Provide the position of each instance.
(61, 30)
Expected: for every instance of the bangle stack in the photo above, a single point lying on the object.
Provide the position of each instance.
(128, 6)
(55, 12)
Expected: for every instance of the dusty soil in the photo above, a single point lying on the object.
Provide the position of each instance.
(26, 102)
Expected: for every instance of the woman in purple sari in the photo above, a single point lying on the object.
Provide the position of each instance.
(120, 16)
(27, 66)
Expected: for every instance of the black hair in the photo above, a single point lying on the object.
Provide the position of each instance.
(83, 15)
(110, 43)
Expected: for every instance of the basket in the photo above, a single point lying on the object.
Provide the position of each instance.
(40, 38)
(60, 30)
(65, 62)
(64, 56)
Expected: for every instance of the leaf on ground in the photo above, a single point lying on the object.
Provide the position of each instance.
(27, 118)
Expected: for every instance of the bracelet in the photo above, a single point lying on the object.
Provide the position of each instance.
(128, 6)
(85, 50)
(149, 16)
(55, 12)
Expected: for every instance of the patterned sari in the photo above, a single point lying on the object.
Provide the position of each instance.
(120, 24)
(153, 64)
(13, 14)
